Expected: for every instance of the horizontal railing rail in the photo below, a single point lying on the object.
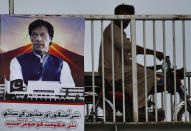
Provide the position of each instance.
(113, 17)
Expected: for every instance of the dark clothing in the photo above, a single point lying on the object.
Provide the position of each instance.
(33, 69)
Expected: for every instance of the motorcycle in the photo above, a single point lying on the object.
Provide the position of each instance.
(94, 98)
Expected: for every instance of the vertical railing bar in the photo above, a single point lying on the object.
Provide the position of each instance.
(116, 127)
(103, 77)
(11, 7)
(162, 101)
(154, 46)
(184, 65)
(189, 91)
(122, 60)
(93, 75)
(174, 63)
(145, 69)
(87, 109)
(164, 51)
(172, 107)
(189, 94)
(113, 71)
(134, 70)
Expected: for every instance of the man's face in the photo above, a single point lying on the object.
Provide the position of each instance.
(40, 39)
(125, 22)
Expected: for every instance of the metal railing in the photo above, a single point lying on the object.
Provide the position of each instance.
(163, 19)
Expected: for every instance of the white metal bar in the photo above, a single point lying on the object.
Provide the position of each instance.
(122, 60)
(116, 128)
(184, 65)
(145, 69)
(113, 71)
(189, 91)
(172, 107)
(116, 17)
(189, 94)
(11, 7)
(162, 101)
(174, 64)
(93, 75)
(134, 70)
(103, 77)
(87, 108)
(164, 69)
(155, 81)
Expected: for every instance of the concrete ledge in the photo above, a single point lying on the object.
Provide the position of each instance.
(110, 126)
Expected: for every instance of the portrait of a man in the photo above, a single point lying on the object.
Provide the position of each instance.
(39, 64)
(43, 50)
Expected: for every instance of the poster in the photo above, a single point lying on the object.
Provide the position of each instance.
(41, 73)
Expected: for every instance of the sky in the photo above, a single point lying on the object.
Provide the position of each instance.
(167, 7)
(96, 6)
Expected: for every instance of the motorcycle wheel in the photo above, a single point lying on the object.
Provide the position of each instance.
(181, 114)
(99, 113)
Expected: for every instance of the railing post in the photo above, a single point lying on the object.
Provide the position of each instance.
(174, 64)
(155, 75)
(184, 65)
(93, 74)
(165, 85)
(134, 70)
(11, 7)
(113, 70)
(123, 77)
(145, 69)
(103, 77)
(189, 94)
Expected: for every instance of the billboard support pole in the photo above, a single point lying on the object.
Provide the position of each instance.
(11, 7)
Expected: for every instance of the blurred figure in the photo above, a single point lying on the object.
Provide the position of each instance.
(125, 10)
